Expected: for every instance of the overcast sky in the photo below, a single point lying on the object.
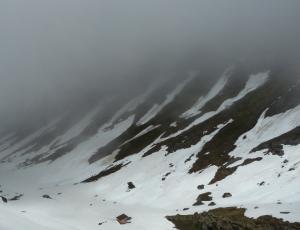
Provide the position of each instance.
(54, 52)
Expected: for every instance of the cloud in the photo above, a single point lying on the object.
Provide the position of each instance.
(56, 52)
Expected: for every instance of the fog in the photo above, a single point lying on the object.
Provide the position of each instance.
(57, 53)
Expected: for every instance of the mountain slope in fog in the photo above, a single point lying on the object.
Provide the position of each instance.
(186, 147)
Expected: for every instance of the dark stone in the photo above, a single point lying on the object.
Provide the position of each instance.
(285, 212)
(212, 204)
(189, 158)
(203, 197)
(17, 197)
(165, 176)
(4, 199)
(131, 185)
(46, 196)
(200, 187)
(104, 173)
(226, 194)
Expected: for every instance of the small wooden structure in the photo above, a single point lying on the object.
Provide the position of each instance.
(123, 219)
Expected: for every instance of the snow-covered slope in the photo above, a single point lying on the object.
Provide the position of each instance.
(240, 135)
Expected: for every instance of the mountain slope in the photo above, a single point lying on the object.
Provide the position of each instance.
(183, 146)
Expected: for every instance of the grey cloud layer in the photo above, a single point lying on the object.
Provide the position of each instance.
(54, 52)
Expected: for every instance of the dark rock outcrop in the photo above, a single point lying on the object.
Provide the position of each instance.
(3, 199)
(46, 196)
(229, 219)
(203, 197)
(104, 173)
(226, 195)
(130, 185)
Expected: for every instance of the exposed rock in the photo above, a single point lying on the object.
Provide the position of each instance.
(101, 223)
(225, 171)
(222, 173)
(275, 146)
(203, 197)
(189, 158)
(200, 187)
(131, 185)
(104, 173)
(285, 212)
(250, 160)
(226, 195)
(17, 197)
(229, 219)
(212, 204)
(46, 196)
(4, 199)
(165, 176)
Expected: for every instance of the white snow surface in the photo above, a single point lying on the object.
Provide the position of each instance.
(156, 108)
(143, 132)
(214, 91)
(72, 208)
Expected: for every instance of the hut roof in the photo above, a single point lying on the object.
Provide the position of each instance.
(122, 217)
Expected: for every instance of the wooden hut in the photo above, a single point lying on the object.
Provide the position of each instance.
(123, 219)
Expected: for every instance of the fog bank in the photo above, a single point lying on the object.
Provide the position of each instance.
(61, 53)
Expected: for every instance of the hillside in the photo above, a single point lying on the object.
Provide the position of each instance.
(180, 147)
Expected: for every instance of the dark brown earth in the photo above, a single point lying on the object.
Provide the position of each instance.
(229, 219)
(203, 197)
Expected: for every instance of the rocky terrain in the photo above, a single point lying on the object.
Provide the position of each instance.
(231, 219)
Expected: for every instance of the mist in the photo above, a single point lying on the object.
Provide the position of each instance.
(59, 53)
